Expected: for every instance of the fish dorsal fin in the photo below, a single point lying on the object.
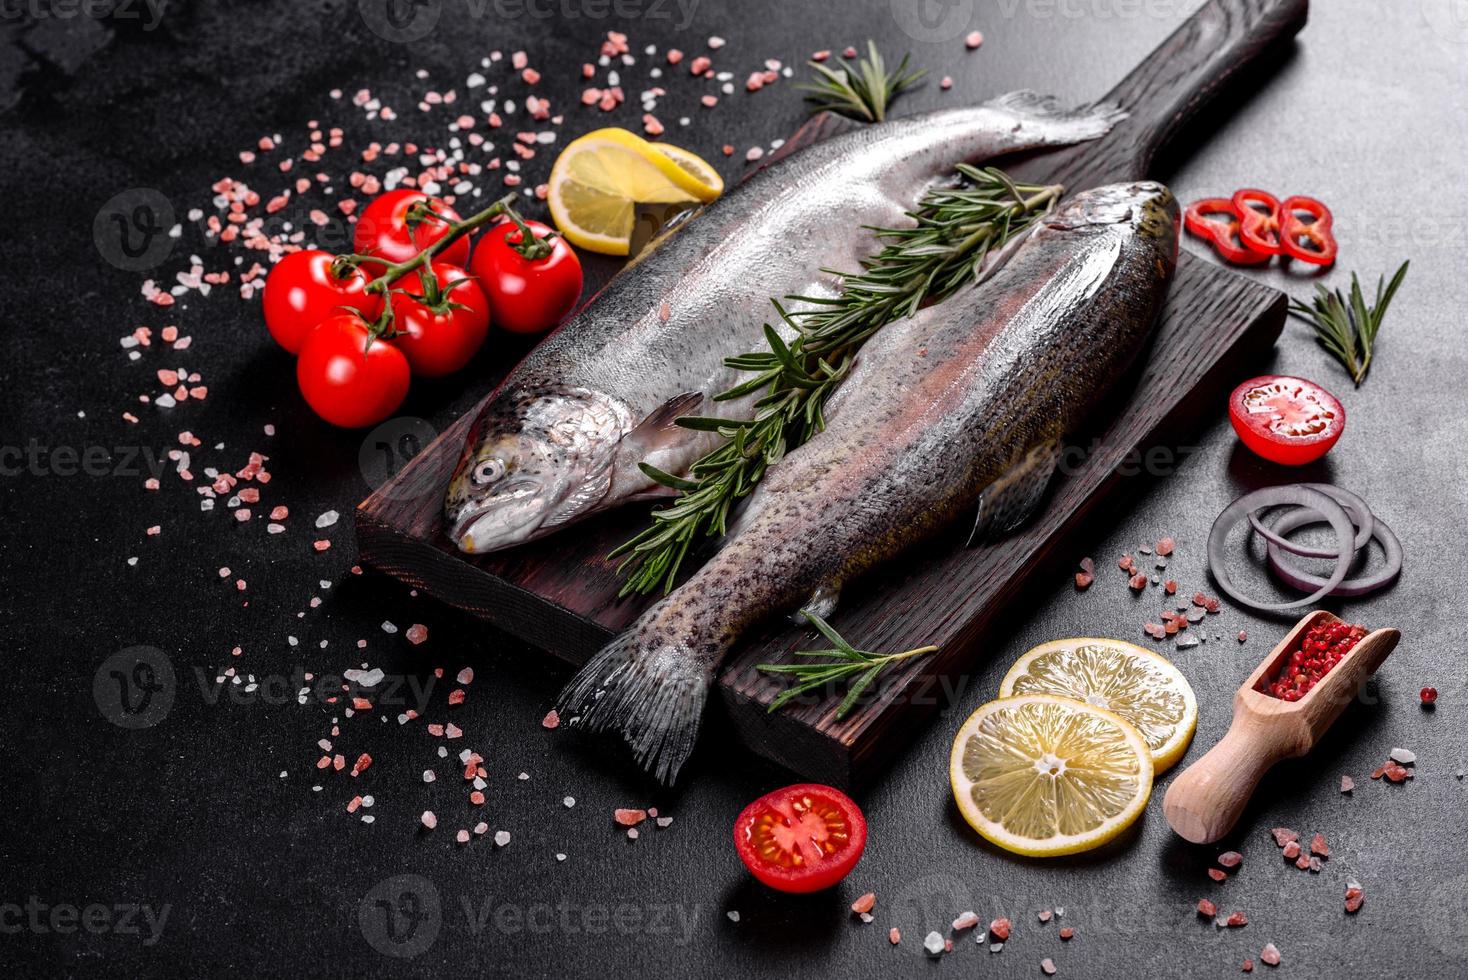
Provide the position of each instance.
(660, 426)
(822, 603)
(1009, 501)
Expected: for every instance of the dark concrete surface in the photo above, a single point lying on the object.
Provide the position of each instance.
(258, 874)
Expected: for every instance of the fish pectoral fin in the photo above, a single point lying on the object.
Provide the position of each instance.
(822, 603)
(1012, 499)
(660, 427)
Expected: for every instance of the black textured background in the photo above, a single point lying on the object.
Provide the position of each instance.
(262, 875)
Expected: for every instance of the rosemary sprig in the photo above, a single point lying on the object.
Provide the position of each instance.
(842, 663)
(1346, 326)
(863, 93)
(955, 229)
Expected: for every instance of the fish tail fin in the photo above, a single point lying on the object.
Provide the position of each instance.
(1062, 124)
(648, 687)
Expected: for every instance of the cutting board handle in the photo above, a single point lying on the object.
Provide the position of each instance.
(1168, 88)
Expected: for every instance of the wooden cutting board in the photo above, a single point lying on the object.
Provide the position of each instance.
(560, 594)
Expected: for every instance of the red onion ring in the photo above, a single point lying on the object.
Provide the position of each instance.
(1325, 507)
(1354, 506)
(1362, 585)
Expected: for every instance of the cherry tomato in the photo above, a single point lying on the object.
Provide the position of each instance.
(302, 290)
(526, 295)
(440, 340)
(383, 230)
(349, 379)
(1286, 420)
(802, 838)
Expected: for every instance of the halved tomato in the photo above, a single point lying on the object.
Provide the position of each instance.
(802, 838)
(1286, 420)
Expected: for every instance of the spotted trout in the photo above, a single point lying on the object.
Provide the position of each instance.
(563, 435)
(951, 418)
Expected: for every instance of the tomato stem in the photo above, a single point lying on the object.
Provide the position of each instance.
(457, 230)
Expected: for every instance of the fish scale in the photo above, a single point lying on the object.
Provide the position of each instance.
(651, 346)
(954, 410)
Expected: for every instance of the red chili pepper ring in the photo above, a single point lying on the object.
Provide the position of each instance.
(1258, 229)
(1224, 235)
(1310, 241)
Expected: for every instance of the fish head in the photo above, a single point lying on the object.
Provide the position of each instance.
(1144, 207)
(536, 459)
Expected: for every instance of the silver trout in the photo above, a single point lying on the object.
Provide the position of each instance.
(955, 412)
(562, 437)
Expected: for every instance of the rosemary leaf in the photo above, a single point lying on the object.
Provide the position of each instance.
(1345, 326)
(844, 662)
(954, 232)
(861, 92)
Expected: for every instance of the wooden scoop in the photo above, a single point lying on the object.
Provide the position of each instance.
(1205, 801)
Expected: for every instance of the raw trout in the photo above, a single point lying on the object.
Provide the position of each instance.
(959, 410)
(564, 433)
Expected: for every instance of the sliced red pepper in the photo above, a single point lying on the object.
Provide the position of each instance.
(1310, 241)
(1222, 234)
(1258, 229)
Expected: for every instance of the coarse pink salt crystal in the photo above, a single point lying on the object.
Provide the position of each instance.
(754, 153)
(893, 936)
(280, 513)
(1230, 859)
(356, 801)
(629, 818)
(674, 56)
(699, 65)
(849, 52)
(151, 483)
(1283, 835)
(530, 76)
(651, 125)
(456, 696)
(865, 903)
(821, 55)
(416, 633)
(1048, 965)
(465, 676)
(966, 921)
(452, 731)
(321, 545)
(973, 40)
(709, 101)
(1270, 954)
(155, 530)
(946, 83)
(1319, 846)
(435, 730)
(462, 837)
(430, 819)
(551, 720)
(1347, 784)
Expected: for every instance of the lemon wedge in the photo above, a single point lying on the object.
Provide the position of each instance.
(1141, 686)
(1043, 776)
(599, 178)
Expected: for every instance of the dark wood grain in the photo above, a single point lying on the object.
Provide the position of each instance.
(560, 593)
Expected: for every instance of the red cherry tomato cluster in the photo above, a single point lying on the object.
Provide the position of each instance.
(1254, 226)
(408, 302)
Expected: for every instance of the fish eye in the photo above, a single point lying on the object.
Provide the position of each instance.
(489, 470)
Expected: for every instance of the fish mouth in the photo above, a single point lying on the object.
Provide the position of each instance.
(499, 523)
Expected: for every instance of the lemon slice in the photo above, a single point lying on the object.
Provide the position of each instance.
(702, 171)
(599, 178)
(1043, 776)
(1142, 687)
